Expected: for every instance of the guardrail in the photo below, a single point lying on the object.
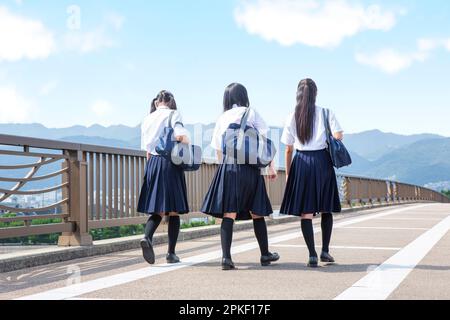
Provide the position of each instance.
(96, 187)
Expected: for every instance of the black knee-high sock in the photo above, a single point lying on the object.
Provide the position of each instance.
(327, 229)
(226, 236)
(174, 230)
(151, 226)
(261, 235)
(308, 234)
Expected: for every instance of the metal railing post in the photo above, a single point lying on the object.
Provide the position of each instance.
(348, 191)
(394, 192)
(78, 204)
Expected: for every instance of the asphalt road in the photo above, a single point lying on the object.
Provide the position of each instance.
(392, 253)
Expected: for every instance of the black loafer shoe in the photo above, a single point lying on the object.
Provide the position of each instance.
(147, 251)
(267, 260)
(325, 257)
(172, 258)
(313, 262)
(227, 264)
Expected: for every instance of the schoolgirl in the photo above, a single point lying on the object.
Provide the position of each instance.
(311, 184)
(238, 191)
(164, 188)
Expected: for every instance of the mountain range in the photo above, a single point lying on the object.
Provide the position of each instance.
(422, 159)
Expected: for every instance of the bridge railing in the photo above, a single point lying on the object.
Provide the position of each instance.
(90, 187)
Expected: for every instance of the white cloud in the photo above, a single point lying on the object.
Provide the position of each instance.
(392, 61)
(101, 108)
(47, 88)
(447, 45)
(23, 38)
(427, 44)
(86, 42)
(13, 108)
(115, 20)
(130, 66)
(388, 60)
(316, 23)
(96, 39)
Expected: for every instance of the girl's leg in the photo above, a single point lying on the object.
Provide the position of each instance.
(152, 224)
(327, 229)
(260, 228)
(226, 237)
(146, 243)
(174, 231)
(308, 233)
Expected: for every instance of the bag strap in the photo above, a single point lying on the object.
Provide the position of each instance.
(326, 117)
(241, 134)
(242, 127)
(170, 121)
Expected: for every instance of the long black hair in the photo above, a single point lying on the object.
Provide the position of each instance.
(305, 112)
(237, 94)
(165, 97)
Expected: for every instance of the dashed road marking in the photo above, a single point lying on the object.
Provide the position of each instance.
(339, 247)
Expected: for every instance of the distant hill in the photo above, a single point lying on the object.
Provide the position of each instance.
(423, 162)
(103, 142)
(420, 163)
(373, 145)
(119, 132)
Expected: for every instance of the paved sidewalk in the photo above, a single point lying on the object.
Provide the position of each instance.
(369, 248)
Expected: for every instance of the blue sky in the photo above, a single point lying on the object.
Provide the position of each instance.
(378, 64)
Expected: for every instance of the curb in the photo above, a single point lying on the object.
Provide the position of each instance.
(103, 247)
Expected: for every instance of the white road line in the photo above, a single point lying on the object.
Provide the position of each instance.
(127, 277)
(444, 214)
(411, 219)
(381, 282)
(90, 299)
(385, 228)
(381, 215)
(339, 247)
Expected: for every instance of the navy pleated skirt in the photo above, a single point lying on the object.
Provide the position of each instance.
(164, 188)
(312, 185)
(237, 188)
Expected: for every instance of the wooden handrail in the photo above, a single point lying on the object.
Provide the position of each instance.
(61, 145)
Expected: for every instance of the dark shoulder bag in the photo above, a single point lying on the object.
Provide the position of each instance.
(186, 156)
(246, 145)
(336, 148)
(166, 141)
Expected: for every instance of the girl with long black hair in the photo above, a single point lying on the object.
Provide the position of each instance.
(164, 188)
(238, 191)
(311, 180)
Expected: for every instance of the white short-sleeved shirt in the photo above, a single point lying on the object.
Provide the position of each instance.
(234, 115)
(154, 124)
(319, 139)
